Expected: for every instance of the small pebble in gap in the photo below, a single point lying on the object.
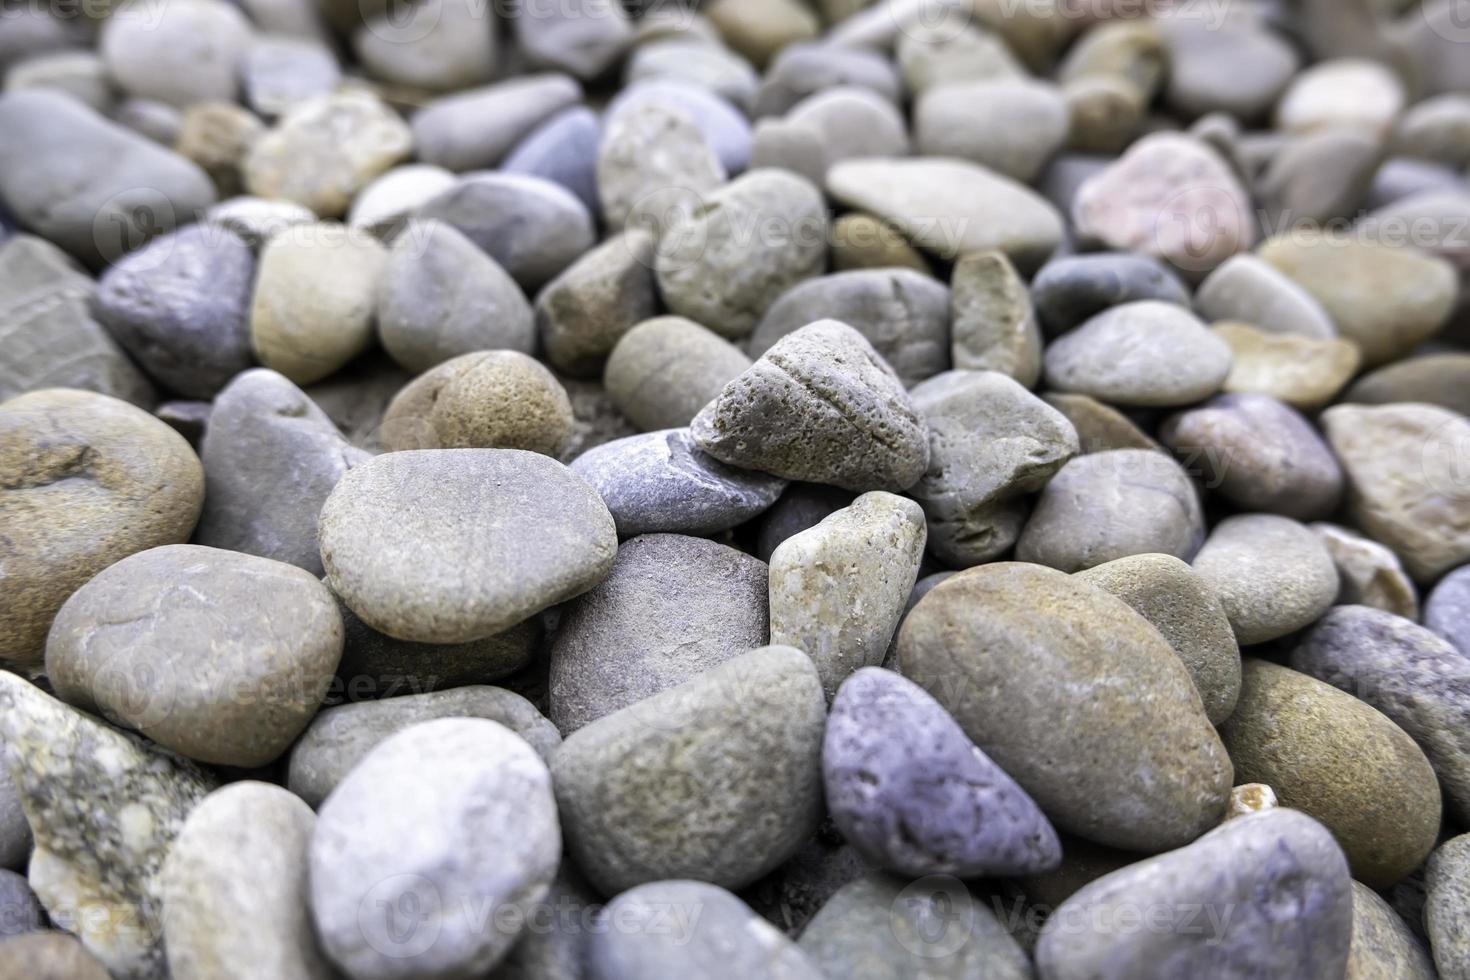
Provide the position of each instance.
(993, 322)
(664, 370)
(1368, 573)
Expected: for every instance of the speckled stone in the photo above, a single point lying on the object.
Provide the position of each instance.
(993, 323)
(1071, 290)
(1170, 595)
(107, 855)
(664, 370)
(659, 481)
(453, 818)
(1447, 610)
(991, 442)
(718, 779)
(652, 164)
(1272, 574)
(672, 608)
(476, 128)
(235, 889)
(1368, 573)
(1253, 867)
(1109, 505)
(1339, 761)
(1099, 427)
(87, 480)
(725, 128)
(819, 406)
(1041, 671)
(1406, 489)
(915, 796)
(903, 314)
(1303, 372)
(394, 535)
(584, 311)
(1448, 882)
(339, 738)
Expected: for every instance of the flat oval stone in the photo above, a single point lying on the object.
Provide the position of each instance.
(476, 128)
(446, 546)
(1170, 595)
(1303, 372)
(584, 311)
(903, 314)
(1434, 379)
(718, 779)
(664, 370)
(384, 206)
(446, 817)
(1255, 866)
(339, 738)
(1011, 125)
(186, 645)
(1271, 573)
(1339, 761)
(1414, 677)
(88, 480)
(1109, 505)
(1070, 290)
(724, 939)
(819, 406)
(1259, 454)
(1447, 882)
(995, 643)
(1383, 944)
(1342, 92)
(915, 796)
(1246, 289)
(844, 622)
(1368, 573)
(1147, 353)
(1448, 610)
(659, 481)
(235, 888)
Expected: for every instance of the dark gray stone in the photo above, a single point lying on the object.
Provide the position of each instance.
(917, 797)
(1447, 610)
(803, 505)
(1071, 290)
(659, 481)
(562, 150)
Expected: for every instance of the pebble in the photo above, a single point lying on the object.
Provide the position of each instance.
(1405, 488)
(1247, 290)
(1435, 129)
(339, 738)
(563, 150)
(48, 332)
(1259, 454)
(385, 206)
(991, 442)
(1010, 125)
(697, 64)
(234, 888)
(1147, 353)
(270, 458)
(582, 38)
(758, 29)
(450, 820)
(256, 220)
(1447, 611)
(819, 406)
(1109, 505)
(672, 608)
(1128, 49)
(804, 69)
(584, 311)
(1181, 606)
(1271, 573)
(439, 297)
(781, 144)
(1239, 71)
(862, 241)
(105, 854)
(532, 227)
(1318, 178)
(690, 930)
(476, 128)
(1414, 677)
(1369, 574)
(654, 165)
(725, 128)
(278, 73)
(903, 314)
(325, 150)
(1058, 661)
(915, 796)
(665, 369)
(718, 779)
(660, 482)
(1385, 299)
(933, 54)
(1338, 760)
(852, 122)
(313, 306)
(1280, 875)
(79, 74)
(217, 136)
(845, 622)
(1105, 113)
(1303, 372)
(950, 207)
(1170, 197)
(1448, 885)
(718, 274)
(1347, 93)
(441, 45)
(1432, 379)
(176, 51)
(494, 399)
(183, 644)
(1073, 289)
(180, 306)
(1383, 945)
(993, 322)
(399, 550)
(20, 910)
(48, 956)
(96, 213)
(1099, 427)
(87, 480)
